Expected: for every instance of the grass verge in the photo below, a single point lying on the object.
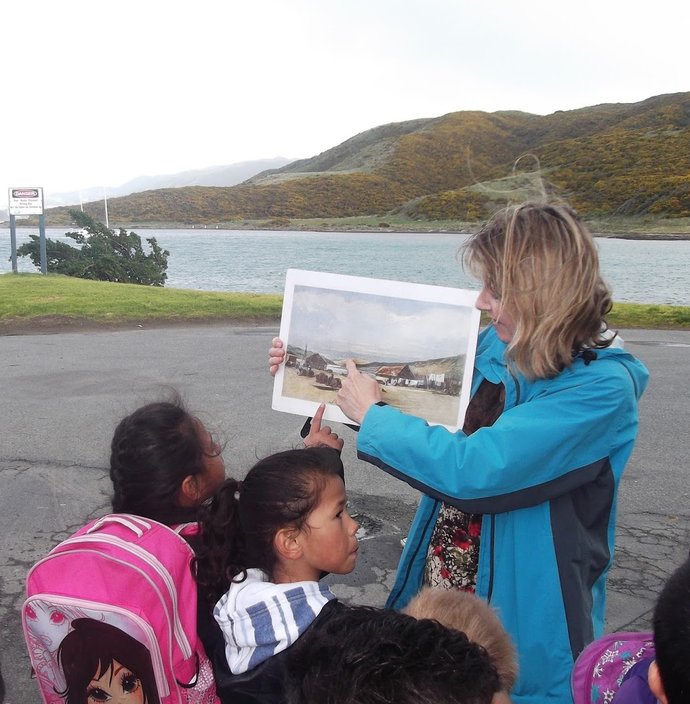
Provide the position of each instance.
(27, 298)
(654, 317)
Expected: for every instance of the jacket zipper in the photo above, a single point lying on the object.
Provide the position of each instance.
(492, 543)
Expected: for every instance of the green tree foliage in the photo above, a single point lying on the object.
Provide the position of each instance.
(103, 254)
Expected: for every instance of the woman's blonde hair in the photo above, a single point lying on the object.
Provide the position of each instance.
(540, 260)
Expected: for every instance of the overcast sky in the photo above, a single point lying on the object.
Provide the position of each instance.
(98, 93)
(376, 328)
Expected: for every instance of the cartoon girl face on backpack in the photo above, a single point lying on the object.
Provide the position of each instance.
(46, 624)
(102, 663)
(49, 623)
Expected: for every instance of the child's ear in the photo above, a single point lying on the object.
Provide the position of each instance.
(655, 683)
(286, 545)
(189, 491)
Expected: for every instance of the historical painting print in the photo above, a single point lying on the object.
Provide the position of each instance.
(418, 342)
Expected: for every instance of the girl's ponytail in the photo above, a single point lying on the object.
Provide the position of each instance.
(221, 556)
(239, 523)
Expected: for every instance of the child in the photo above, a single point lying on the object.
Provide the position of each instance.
(266, 542)
(642, 668)
(477, 620)
(669, 675)
(364, 655)
(164, 463)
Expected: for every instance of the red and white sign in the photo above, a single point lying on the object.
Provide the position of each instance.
(26, 201)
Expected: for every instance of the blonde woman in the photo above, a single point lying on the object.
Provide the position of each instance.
(520, 505)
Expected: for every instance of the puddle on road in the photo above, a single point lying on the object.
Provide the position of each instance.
(368, 527)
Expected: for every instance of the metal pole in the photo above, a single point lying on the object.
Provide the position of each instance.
(13, 242)
(42, 234)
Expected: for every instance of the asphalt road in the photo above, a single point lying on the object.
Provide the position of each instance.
(62, 395)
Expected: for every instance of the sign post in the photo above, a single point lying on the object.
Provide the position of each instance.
(27, 201)
(13, 243)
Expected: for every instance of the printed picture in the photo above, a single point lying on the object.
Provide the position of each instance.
(418, 342)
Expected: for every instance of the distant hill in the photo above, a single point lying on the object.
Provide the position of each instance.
(608, 159)
(228, 175)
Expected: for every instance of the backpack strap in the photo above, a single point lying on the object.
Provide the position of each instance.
(187, 529)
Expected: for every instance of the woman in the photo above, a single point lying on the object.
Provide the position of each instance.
(520, 505)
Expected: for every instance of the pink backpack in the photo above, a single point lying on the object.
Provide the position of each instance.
(111, 610)
(601, 666)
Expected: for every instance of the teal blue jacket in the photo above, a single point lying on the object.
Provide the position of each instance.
(545, 477)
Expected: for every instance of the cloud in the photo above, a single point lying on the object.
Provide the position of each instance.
(157, 87)
(376, 327)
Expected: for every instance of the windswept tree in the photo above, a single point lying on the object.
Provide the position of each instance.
(102, 254)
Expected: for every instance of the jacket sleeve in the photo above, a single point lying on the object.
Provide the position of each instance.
(559, 439)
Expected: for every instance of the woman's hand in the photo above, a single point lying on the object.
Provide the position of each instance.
(358, 393)
(322, 437)
(276, 356)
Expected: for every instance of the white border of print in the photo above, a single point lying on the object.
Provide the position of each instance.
(462, 341)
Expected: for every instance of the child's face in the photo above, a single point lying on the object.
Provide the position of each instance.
(328, 538)
(117, 685)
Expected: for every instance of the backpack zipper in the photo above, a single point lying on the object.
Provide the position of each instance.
(158, 567)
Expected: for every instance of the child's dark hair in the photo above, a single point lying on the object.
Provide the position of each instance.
(672, 635)
(363, 655)
(239, 523)
(153, 449)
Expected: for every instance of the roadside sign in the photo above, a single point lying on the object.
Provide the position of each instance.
(26, 201)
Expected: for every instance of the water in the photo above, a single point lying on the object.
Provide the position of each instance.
(641, 271)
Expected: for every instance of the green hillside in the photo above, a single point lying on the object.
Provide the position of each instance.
(608, 160)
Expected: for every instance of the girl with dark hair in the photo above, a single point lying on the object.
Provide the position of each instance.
(102, 663)
(266, 542)
(164, 463)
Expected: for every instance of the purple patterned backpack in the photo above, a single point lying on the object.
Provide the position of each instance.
(601, 666)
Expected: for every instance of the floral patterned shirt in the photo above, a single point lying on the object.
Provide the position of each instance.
(453, 555)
